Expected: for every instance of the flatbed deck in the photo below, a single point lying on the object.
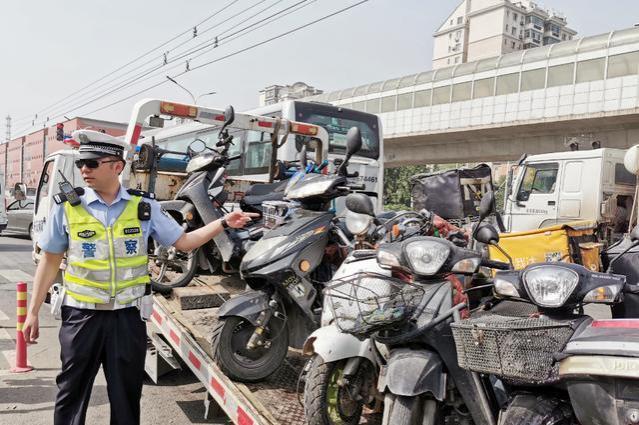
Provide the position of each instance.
(273, 401)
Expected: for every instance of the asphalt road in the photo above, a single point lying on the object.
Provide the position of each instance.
(29, 397)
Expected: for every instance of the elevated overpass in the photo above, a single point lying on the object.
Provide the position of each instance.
(531, 101)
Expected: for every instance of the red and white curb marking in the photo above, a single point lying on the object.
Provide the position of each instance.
(224, 392)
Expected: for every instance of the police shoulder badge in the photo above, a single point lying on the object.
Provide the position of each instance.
(86, 234)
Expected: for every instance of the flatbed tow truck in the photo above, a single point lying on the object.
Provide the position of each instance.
(174, 331)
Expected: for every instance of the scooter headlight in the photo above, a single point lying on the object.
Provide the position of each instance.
(357, 223)
(550, 286)
(426, 257)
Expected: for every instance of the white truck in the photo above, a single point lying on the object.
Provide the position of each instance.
(563, 187)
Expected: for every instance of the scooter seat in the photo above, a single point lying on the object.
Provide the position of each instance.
(262, 189)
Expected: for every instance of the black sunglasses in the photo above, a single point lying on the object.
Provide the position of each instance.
(92, 163)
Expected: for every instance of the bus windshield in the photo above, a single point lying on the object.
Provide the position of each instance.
(337, 122)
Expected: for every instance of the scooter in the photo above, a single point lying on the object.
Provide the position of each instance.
(559, 366)
(286, 271)
(200, 201)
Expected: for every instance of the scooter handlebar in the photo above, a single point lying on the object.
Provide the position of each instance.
(493, 264)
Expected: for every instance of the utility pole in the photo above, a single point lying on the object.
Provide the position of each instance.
(8, 127)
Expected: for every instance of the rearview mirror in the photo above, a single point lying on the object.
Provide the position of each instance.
(353, 141)
(486, 205)
(229, 117)
(196, 146)
(486, 234)
(634, 234)
(360, 203)
(20, 191)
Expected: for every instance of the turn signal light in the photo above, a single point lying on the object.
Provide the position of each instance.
(305, 265)
(178, 110)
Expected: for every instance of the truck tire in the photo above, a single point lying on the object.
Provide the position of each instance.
(323, 397)
(228, 341)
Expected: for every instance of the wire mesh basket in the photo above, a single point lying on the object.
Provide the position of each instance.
(517, 349)
(367, 302)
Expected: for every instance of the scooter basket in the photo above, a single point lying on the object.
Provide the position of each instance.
(367, 302)
(516, 349)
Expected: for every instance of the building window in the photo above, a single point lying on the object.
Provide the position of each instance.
(563, 37)
(527, 33)
(513, 44)
(456, 59)
(505, 42)
(515, 17)
(449, 49)
(624, 64)
(460, 20)
(508, 13)
(388, 104)
(448, 61)
(441, 95)
(533, 80)
(591, 70)
(508, 83)
(450, 35)
(422, 98)
(451, 22)
(404, 101)
(483, 88)
(506, 27)
(458, 35)
(462, 91)
(514, 31)
(560, 75)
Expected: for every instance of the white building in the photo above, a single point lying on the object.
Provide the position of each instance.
(276, 93)
(480, 29)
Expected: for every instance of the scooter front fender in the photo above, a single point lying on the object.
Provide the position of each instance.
(332, 345)
(247, 305)
(414, 372)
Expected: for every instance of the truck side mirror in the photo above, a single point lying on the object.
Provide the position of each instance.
(353, 141)
(20, 191)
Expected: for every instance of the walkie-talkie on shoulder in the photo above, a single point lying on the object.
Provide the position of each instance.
(69, 191)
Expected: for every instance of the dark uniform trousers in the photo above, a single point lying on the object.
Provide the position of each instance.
(90, 338)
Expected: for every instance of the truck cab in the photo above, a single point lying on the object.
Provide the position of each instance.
(563, 187)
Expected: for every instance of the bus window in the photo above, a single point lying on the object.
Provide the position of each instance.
(337, 122)
(258, 152)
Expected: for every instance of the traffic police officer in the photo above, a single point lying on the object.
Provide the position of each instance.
(104, 234)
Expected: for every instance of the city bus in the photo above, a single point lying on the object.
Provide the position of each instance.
(255, 146)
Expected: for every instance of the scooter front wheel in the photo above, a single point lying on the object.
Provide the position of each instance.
(170, 268)
(229, 341)
(403, 410)
(326, 402)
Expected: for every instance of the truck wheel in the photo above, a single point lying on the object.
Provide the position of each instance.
(325, 402)
(228, 341)
(172, 269)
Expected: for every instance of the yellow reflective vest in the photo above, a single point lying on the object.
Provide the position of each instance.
(106, 262)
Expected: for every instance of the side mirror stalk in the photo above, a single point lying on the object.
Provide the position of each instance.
(504, 253)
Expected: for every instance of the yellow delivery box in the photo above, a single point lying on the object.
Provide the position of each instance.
(574, 242)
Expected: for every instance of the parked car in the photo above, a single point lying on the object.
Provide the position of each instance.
(19, 217)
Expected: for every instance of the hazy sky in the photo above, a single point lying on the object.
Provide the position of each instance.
(51, 49)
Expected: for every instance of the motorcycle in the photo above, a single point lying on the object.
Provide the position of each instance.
(285, 271)
(200, 201)
(558, 365)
